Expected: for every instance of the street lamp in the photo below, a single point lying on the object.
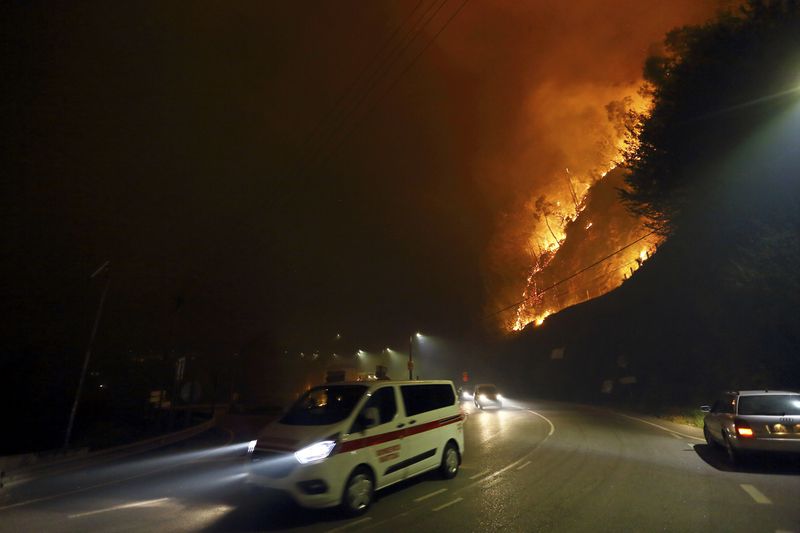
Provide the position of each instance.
(410, 354)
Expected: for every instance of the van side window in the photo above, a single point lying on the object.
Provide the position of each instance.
(421, 398)
(384, 400)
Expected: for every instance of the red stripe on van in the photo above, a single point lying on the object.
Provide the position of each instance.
(357, 444)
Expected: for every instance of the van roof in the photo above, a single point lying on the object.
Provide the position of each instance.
(391, 382)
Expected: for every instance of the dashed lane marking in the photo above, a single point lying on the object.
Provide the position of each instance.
(492, 478)
(479, 474)
(756, 494)
(523, 465)
(351, 524)
(448, 504)
(146, 503)
(518, 461)
(430, 495)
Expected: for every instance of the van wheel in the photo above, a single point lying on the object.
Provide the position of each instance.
(450, 460)
(358, 492)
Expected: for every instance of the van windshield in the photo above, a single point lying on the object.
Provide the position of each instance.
(324, 405)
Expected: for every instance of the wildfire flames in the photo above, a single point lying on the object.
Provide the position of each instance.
(583, 247)
(554, 93)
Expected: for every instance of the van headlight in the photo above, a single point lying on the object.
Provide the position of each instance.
(500, 397)
(315, 452)
(251, 446)
(482, 397)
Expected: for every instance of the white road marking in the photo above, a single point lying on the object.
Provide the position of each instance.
(756, 494)
(431, 495)
(490, 477)
(552, 427)
(349, 525)
(518, 461)
(520, 467)
(448, 504)
(146, 503)
(662, 427)
(479, 474)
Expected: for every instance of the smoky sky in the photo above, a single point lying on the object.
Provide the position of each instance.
(201, 148)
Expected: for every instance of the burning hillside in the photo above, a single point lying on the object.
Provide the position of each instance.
(590, 254)
(545, 155)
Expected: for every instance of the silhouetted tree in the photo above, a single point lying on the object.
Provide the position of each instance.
(717, 168)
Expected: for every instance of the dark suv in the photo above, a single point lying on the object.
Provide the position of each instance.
(754, 421)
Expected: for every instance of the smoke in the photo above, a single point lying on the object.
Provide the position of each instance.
(551, 83)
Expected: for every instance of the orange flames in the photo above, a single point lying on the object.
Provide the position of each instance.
(581, 247)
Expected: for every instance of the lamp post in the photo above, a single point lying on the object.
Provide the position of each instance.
(410, 355)
(104, 266)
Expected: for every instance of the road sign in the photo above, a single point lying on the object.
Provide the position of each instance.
(411, 365)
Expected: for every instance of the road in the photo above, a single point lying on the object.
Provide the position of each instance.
(535, 466)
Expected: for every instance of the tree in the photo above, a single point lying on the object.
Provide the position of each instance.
(717, 169)
(711, 88)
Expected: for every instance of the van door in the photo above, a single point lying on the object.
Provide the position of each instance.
(429, 408)
(377, 431)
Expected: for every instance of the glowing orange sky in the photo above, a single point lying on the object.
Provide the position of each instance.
(543, 73)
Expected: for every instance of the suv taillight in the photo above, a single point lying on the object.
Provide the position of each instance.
(742, 429)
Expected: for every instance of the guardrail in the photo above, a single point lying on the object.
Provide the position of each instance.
(18, 469)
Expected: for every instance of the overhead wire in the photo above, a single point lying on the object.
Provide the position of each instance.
(572, 276)
(408, 67)
(372, 66)
(380, 73)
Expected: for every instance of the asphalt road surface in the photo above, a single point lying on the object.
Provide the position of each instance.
(534, 466)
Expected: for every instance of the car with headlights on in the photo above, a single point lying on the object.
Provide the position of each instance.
(340, 442)
(748, 421)
(486, 395)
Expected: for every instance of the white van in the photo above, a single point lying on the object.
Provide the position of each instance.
(342, 441)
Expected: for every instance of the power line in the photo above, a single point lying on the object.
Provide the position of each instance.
(402, 73)
(322, 154)
(589, 283)
(368, 67)
(571, 276)
(339, 135)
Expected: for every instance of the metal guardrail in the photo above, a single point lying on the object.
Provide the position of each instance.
(21, 468)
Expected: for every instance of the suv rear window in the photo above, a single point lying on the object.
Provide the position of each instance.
(770, 405)
(421, 398)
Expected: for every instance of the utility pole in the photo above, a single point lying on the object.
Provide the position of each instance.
(410, 357)
(410, 354)
(104, 267)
